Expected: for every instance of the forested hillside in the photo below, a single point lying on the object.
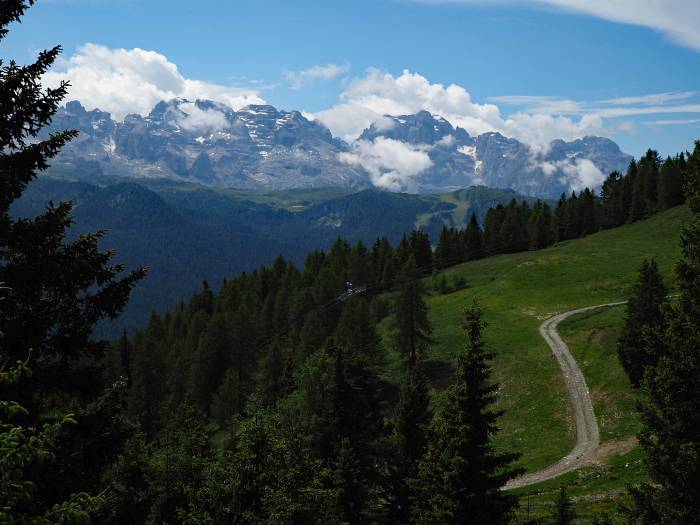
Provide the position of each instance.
(377, 382)
(187, 234)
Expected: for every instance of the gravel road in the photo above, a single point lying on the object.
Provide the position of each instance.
(587, 434)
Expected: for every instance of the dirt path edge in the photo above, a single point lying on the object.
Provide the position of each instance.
(587, 432)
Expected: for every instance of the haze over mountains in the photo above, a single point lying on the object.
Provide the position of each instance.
(259, 147)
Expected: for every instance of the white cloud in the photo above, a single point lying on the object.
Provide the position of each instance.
(366, 99)
(653, 98)
(677, 19)
(124, 81)
(197, 119)
(582, 173)
(392, 164)
(298, 78)
(578, 173)
(673, 122)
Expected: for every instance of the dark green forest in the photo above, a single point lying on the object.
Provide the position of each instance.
(264, 402)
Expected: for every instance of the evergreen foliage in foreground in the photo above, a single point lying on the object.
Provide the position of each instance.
(461, 475)
(56, 292)
(670, 405)
(639, 345)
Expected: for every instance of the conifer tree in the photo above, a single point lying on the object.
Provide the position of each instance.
(461, 475)
(639, 343)
(412, 331)
(671, 183)
(670, 405)
(589, 212)
(422, 252)
(444, 251)
(409, 439)
(35, 261)
(474, 241)
(492, 229)
(540, 226)
(692, 166)
(613, 211)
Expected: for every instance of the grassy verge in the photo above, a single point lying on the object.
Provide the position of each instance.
(592, 339)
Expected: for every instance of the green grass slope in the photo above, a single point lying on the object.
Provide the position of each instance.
(518, 291)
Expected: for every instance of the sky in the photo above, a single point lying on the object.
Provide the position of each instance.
(535, 70)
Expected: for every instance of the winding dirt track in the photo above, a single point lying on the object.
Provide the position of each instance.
(587, 434)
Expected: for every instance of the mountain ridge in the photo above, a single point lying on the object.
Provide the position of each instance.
(260, 147)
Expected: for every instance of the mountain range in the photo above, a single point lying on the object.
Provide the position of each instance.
(260, 147)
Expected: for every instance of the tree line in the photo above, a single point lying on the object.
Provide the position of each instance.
(650, 185)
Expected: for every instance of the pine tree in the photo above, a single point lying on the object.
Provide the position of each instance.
(26, 453)
(692, 166)
(409, 441)
(540, 226)
(613, 202)
(474, 240)
(648, 172)
(461, 476)
(228, 397)
(589, 212)
(670, 405)
(412, 333)
(492, 229)
(638, 203)
(670, 184)
(35, 261)
(444, 251)
(212, 358)
(639, 345)
(421, 250)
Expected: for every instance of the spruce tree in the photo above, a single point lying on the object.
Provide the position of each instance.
(474, 240)
(670, 405)
(492, 230)
(639, 345)
(412, 330)
(408, 441)
(444, 251)
(422, 252)
(670, 183)
(35, 261)
(58, 289)
(461, 476)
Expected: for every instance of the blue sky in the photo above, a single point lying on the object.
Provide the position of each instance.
(536, 70)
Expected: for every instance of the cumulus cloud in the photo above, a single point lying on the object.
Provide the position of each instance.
(582, 173)
(124, 81)
(678, 20)
(392, 164)
(195, 118)
(578, 173)
(298, 78)
(366, 99)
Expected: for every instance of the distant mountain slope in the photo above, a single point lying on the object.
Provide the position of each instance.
(259, 147)
(187, 233)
